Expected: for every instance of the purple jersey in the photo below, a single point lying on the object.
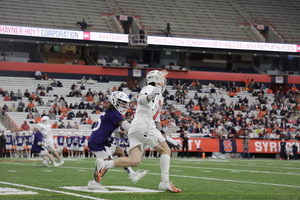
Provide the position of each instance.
(75, 140)
(81, 141)
(69, 141)
(29, 139)
(37, 137)
(103, 129)
(9, 140)
(60, 140)
(20, 140)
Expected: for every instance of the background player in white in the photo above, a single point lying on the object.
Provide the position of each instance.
(145, 130)
(48, 141)
(38, 149)
(100, 142)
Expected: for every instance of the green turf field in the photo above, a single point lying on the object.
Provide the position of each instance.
(198, 179)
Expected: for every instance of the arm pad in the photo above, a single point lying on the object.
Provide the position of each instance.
(143, 99)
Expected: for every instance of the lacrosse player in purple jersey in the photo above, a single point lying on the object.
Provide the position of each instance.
(9, 143)
(145, 130)
(99, 142)
(20, 143)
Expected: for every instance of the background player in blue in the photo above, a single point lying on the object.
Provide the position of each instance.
(20, 140)
(37, 148)
(60, 144)
(81, 145)
(69, 142)
(9, 143)
(75, 145)
(29, 140)
(99, 142)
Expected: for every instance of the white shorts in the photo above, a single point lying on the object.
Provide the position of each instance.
(8, 146)
(152, 139)
(105, 154)
(49, 147)
(43, 153)
(29, 146)
(69, 148)
(19, 148)
(80, 148)
(75, 148)
(60, 148)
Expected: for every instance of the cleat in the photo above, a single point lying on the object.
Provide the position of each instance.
(138, 175)
(46, 162)
(93, 185)
(61, 162)
(169, 187)
(99, 170)
(55, 164)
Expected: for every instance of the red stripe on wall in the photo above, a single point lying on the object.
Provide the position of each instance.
(61, 68)
(97, 70)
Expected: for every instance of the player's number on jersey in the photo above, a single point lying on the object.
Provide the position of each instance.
(98, 124)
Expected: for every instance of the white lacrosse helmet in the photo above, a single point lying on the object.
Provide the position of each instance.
(45, 119)
(157, 77)
(120, 101)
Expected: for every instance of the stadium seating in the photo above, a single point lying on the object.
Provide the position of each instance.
(192, 19)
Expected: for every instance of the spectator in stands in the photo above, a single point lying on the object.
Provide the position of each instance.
(71, 115)
(59, 84)
(21, 106)
(76, 125)
(90, 81)
(30, 115)
(54, 125)
(7, 98)
(13, 108)
(114, 62)
(5, 109)
(25, 126)
(19, 94)
(38, 75)
(79, 114)
(83, 120)
(89, 121)
(83, 25)
(168, 30)
(62, 125)
(69, 126)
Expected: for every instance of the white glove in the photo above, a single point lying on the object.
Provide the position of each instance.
(157, 90)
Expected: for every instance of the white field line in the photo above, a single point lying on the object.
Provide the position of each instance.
(50, 190)
(196, 177)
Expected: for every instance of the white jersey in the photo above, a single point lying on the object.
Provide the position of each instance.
(145, 117)
(47, 134)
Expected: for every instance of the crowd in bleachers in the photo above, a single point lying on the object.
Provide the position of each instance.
(219, 110)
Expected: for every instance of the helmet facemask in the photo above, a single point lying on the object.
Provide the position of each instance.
(120, 101)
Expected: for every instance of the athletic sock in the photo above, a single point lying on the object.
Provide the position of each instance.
(165, 167)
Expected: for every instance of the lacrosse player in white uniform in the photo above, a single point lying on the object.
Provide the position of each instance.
(48, 141)
(145, 130)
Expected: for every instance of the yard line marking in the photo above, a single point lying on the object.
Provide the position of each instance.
(225, 169)
(206, 178)
(50, 190)
(189, 167)
(237, 181)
